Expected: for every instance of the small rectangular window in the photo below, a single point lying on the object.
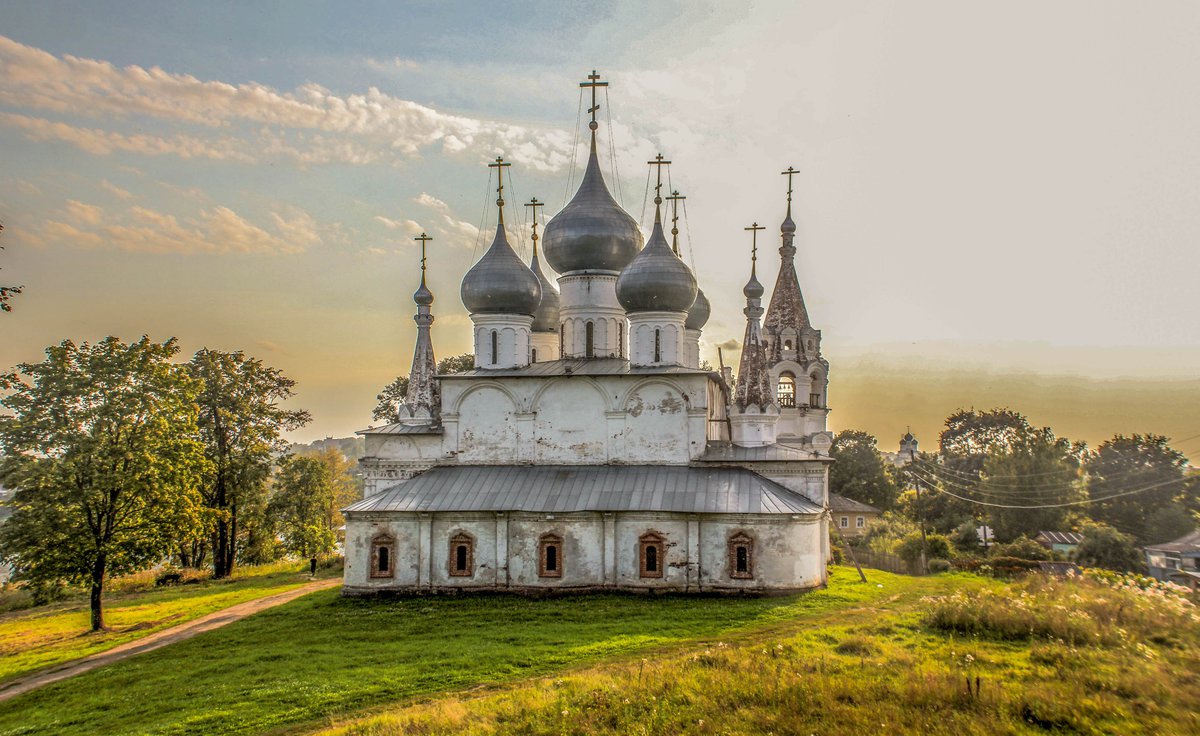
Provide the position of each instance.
(845, 522)
(550, 560)
(860, 522)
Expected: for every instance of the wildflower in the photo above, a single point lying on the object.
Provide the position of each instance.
(565, 712)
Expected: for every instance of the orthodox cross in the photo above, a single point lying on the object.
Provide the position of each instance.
(499, 167)
(660, 162)
(674, 200)
(424, 239)
(534, 203)
(593, 82)
(789, 174)
(754, 244)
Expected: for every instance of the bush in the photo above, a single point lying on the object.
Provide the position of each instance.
(936, 546)
(1109, 549)
(939, 565)
(1010, 566)
(965, 538)
(1022, 548)
(168, 576)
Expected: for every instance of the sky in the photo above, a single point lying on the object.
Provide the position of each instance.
(997, 202)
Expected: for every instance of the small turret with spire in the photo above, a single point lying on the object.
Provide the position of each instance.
(422, 403)
(754, 412)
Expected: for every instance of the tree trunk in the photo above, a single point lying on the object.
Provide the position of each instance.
(97, 593)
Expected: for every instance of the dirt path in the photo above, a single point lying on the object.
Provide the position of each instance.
(158, 639)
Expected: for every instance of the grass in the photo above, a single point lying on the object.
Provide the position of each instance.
(40, 637)
(856, 658)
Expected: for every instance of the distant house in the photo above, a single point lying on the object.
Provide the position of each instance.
(1181, 556)
(852, 518)
(1064, 542)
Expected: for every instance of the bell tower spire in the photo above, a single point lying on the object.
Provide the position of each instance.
(754, 412)
(422, 403)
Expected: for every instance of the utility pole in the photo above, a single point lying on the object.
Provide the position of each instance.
(912, 470)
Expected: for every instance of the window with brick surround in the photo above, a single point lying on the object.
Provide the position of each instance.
(550, 558)
(652, 554)
(383, 556)
(741, 556)
(462, 555)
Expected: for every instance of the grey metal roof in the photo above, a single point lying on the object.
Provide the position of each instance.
(567, 488)
(398, 428)
(728, 452)
(1186, 543)
(579, 367)
(849, 505)
(1061, 537)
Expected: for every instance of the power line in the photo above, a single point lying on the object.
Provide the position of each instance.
(1081, 502)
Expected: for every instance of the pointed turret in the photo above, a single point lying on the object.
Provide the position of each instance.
(789, 332)
(422, 403)
(754, 412)
(544, 335)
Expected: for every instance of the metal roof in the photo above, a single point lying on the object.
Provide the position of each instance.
(849, 505)
(717, 451)
(1186, 543)
(580, 367)
(567, 488)
(1061, 537)
(399, 428)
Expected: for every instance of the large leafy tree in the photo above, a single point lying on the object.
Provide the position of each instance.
(1030, 480)
(242, 422)
(1105, 547)
(392, 395)
(1161, 508)
(7, 292)
(103, 448)
(304, 504)
(860, 472)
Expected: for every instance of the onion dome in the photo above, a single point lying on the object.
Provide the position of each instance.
(753, 289)
(656, 280)
(545, 318)
(698, 315)
(788, 227)
(592, 233)
(500, 283)
(423, 296)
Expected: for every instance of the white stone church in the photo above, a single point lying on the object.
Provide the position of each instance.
(588, 449)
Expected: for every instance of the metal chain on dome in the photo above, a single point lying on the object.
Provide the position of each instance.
(574, 151)
(612, 150)
(691, 248)
(518, 214)
(645, 198)
(487, 193)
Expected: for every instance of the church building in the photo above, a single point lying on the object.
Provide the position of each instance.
(588, 449)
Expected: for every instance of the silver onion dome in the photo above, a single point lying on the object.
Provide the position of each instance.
(753, 289)
(788, 227)
(592, 233)
(698, 315)
(656, 280)
(500, 283)
(545, 319)
(423, 296)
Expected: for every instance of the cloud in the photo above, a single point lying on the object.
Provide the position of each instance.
(115, 190)
(218, 230)
(271, 346)
(408, 226)
(393, 64)
(730, 344)
(310, 124)
(452, 227)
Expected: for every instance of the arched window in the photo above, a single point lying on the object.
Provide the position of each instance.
(785, 392)
(814, 398)
(533, 355)
(657, 345)
(651, 555)
(550, 560)
(589, 349)
(462, 555)
(383, 554)
(621, 339)
(741, 556)
(495, 347)
(787, 344)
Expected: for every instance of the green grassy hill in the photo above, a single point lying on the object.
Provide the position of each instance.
(895, 651)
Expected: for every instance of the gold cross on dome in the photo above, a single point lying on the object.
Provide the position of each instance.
(789, 174)
(424, 239)
(754, 240)
(674, 200)
(499, 165)
(593, 82)
(660, 162)
(534, 204)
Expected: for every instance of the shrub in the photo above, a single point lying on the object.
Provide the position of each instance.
(1107, 548)
(1010, 566)
(168, 576)
(939, 565)
(965, 538)
(936, 547)
(1022, 548)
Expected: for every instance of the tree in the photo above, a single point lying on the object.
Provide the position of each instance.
(1030, 478)
(304, 505)
(242, 425)
(7, 292)
(859, 472)
(1140, 461)
(1105, 547)
(103, 449)
(392, 395)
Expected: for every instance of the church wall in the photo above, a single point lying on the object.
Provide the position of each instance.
(486, 426)
(583, 549)
(629, 529)
(568, 425)
(786, 554)
(482, 528)
(359, 534)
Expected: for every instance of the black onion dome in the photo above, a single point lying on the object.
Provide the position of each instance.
(656, 280)
(592, 233)
(423, 296)
(698, 315)
(545, 319)
(788, 227)
(500, 283)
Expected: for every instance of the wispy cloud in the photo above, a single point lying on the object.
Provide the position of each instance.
(310, 124)
(453, 227)
(115, 190)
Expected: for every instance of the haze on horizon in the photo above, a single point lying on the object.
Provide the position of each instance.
(997, 202)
